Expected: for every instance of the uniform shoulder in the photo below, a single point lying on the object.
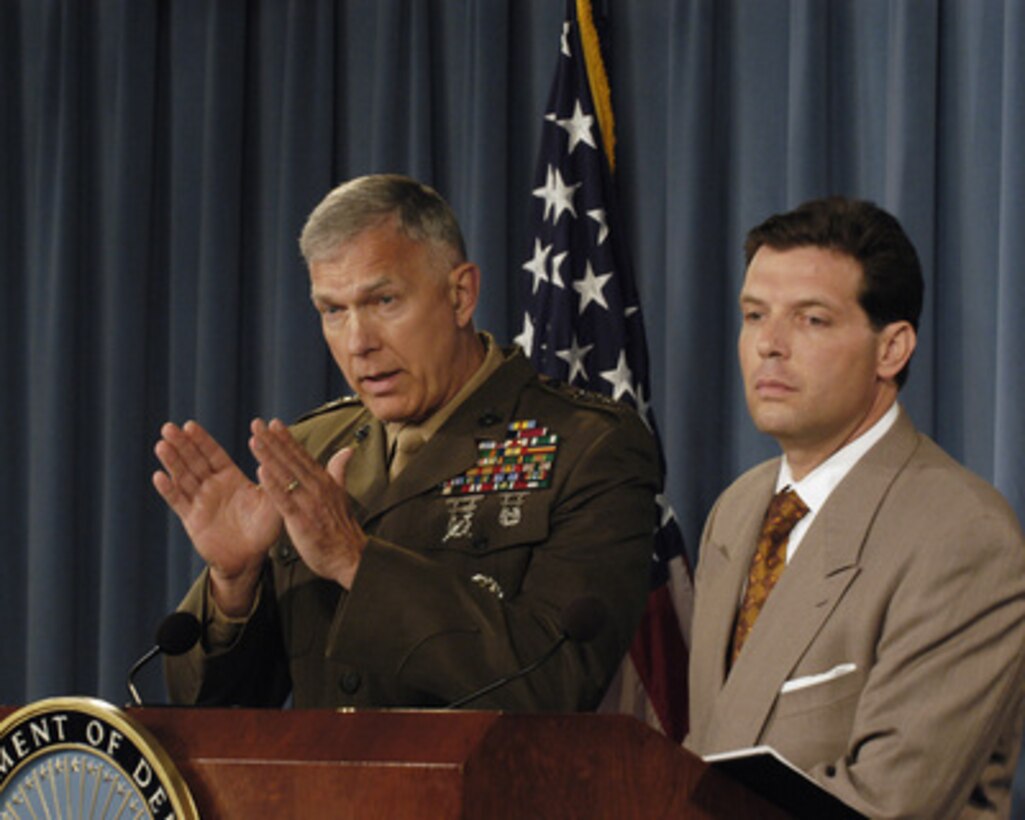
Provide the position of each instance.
(345, 402)
(584, 411)
(581, 398)
(331, 422)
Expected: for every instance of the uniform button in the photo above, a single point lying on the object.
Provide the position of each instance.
(830, 770)
(350, 680)
(285, 552)
(480, 542)
(488, 419)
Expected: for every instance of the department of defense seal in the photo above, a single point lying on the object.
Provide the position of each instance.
(83, 758)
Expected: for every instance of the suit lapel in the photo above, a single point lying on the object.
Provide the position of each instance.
(730, 559)
(807, 593)
(805, 596)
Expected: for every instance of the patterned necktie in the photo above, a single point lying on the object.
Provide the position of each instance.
(785, 510)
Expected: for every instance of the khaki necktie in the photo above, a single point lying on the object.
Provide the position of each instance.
(785, 510)
(408, 442)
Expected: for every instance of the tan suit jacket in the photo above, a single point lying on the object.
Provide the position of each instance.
(909, 588)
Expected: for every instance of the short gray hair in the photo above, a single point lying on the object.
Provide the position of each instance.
(366, 202)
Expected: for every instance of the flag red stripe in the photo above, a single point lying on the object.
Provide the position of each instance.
(660, 657)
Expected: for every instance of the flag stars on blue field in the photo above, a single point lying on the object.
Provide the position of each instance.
(525, 339)
(536, 265)
(621, 378)
(667, 514)
(643, 406)
(579, 252)
(564, 43)
(577, 126)
(556, 276)
(592, 334)
(558, 196)
(591, 287)
(574, 357)
(598, 215)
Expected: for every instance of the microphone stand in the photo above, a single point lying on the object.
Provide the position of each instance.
(491, 687)
(136, 698)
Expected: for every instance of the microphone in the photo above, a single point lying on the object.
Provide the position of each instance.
(581, 621)
(177, 634)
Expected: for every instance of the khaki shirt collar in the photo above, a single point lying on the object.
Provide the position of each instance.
(493, 358)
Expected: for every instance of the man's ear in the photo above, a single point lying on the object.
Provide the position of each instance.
(897, 342)
(464, 291)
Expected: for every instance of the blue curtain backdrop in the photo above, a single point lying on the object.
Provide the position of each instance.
(158, 160)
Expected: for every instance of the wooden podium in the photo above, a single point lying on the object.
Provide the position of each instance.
(246, 763)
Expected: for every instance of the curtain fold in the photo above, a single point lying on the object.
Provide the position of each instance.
(59, 489)
(159, 160)
(120, 346)
(1008, 439)
(14, 365)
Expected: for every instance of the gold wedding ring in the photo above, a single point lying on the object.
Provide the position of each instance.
(292, 486)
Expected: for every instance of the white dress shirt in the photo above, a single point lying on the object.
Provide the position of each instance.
(816, 487)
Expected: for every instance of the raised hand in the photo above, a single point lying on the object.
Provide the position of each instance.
(230, 520)
(311, 500)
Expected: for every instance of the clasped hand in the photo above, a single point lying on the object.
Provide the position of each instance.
(233, 521)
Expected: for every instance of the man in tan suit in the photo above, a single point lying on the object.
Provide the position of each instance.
(871, 629)
(410, 544)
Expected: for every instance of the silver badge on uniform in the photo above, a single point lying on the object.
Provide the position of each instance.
(511, 512)
(460, 515)
(488, 583)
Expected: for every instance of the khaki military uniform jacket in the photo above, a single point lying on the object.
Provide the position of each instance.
(455, 590)
(889, 660)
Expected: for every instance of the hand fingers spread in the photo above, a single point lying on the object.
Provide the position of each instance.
(181, 467)
(190, 456)
(285, 465)
(212, 452)
(167, 488)
(189, 441)
(311, 500)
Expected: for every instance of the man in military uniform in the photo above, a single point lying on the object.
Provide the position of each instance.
(410, 544)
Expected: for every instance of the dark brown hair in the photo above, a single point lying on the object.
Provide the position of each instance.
(892, 286)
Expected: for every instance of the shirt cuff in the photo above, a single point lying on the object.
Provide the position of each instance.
(221, 631)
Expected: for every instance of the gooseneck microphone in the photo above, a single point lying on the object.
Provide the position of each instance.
(581, 621)
(177, 634)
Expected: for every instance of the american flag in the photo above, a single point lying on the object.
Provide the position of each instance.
(583, 325)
